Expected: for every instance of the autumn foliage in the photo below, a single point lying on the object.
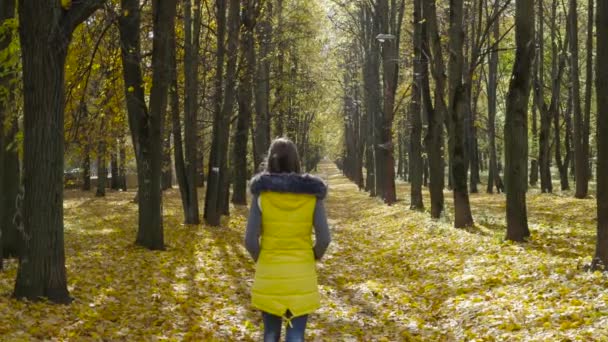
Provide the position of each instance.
(391, 274)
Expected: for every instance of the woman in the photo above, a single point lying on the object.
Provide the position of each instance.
(285, 206)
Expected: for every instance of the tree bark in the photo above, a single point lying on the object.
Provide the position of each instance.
(102, 170)
(122, 168)
(582, 184)
(516, 123)
(544, 138)
(245, 100)
(216, 199)
(146, 125)
(588, 91)
(114, 168)
(262, 89)
(45, 30)
(436, 114)
(601, 250)
(390, 18)
(493, 174)
(191, 87)
(415, 112)
(462, 209)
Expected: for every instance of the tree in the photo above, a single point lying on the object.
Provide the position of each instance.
(146, 124)
(45, 30)
(458, 105)
(245, 100)
(588, 89)
(415, 152)
(436, 114)
(217, 184)
(544, 138)
(192, 30)
(516, 123)
(493, 174)
(262, 89)
(390, 18)
(601, 24)
(582, 183)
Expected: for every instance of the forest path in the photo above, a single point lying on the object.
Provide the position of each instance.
(390, 274)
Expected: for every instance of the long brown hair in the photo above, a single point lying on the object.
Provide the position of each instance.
(282, 157)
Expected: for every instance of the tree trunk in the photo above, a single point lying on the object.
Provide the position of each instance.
(516, 123)
(191, 87)
(416, 162)
(45, 30)
(434, 139)
(280, 105)
(582, 184)
(216, 198)
(390, 18)
(601, 250)
(167, 173)
(493, 173)
(86, 168)
(102, 170)
(262, 89)
(544, 138)
(245, 100)
(114, 168)
(588, 92)
(190, 209)
(122, 168)
(458, 106)
(146, 126)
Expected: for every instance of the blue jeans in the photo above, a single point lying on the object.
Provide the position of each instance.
(272, 328)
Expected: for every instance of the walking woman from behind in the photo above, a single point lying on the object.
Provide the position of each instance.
(286, 205)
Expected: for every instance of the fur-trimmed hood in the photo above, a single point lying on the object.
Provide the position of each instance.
(289, 182)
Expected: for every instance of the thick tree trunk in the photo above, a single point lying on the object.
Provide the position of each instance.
(458, 106)
(434, 139)
(516, 123)
(601, 250)
(582, 184)
(415, 112)
(191, 87)
(45, 31)
(245, 100)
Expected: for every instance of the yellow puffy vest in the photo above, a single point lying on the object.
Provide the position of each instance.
(285, 275)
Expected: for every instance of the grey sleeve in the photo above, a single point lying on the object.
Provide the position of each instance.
(322, 234)
(254, 229)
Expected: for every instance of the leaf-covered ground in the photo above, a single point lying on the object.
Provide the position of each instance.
(391, 274)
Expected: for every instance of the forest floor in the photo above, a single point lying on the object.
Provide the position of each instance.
(390, 275)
